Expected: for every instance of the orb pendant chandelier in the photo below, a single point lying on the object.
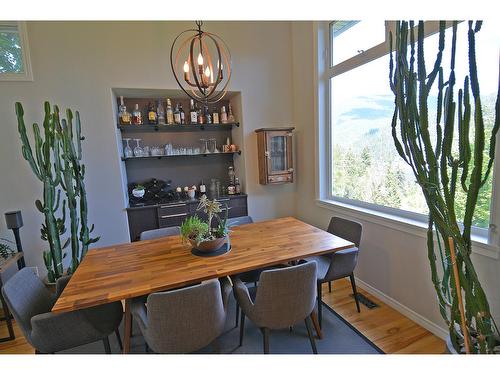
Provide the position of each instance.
(201, 64)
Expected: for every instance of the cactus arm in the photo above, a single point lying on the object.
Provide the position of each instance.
(494, 132)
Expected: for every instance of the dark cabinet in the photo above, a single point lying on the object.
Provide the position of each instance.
(145, 218)
(274, 147)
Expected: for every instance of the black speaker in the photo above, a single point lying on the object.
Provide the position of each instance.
(14, 219)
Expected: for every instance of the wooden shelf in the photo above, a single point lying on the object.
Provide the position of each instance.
(145, 128)
(179, 156)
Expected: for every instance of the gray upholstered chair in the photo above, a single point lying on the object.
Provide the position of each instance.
(162, 232)
(235, 221)
(30, 303)
(341, 263)
(284, 297)
(183, 320)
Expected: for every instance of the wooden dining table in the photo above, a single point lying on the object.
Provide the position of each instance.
(126, 271)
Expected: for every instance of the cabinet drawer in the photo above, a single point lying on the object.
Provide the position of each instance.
(280, 178)
(172, 209)
(238, 211)
(172, 220)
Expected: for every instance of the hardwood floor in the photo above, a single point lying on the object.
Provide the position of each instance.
(390, 330)
(387, 328)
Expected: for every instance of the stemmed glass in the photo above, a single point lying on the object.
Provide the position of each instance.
(127, 151)
(138, 149)
(213, 145)
(204, 149)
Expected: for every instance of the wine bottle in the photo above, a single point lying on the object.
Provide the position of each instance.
(170, 113)
(152, 115)
(192, 113)
(137, 116)
(177, 115)
(223, 115)
(160, 110)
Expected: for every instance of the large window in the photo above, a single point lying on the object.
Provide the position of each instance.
(365, 168)
(14, 54)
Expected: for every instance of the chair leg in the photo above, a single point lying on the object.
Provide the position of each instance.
(8, 320)
(237, 314)
(242, 327)
(107, 347)
(329, 287)
(320, 303)
(354, 292)
(265, 333)
(118, 338)
(311, 336)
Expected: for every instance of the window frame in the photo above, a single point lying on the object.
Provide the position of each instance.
(27, 75)
(325, 72)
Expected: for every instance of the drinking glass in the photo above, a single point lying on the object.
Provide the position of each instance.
(204, 146)
(168, 149)
(127, 151)
(138, 152)
(145, 151)
(213, 145)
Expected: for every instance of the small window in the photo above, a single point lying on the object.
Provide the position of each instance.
(14, 55)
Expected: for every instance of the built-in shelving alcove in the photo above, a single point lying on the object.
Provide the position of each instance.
(180, 170)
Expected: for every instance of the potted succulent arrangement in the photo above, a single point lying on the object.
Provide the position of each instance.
(139, 191)
(200, 234)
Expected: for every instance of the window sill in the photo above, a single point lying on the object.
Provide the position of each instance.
(414, 227)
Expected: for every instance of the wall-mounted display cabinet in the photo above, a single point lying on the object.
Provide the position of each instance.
(275, 155)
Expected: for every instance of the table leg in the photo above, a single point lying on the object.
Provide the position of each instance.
(128, 327)
(314, 318)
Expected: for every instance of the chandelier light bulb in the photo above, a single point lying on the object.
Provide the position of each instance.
(186, 67)
(200, 59)
(207, 72)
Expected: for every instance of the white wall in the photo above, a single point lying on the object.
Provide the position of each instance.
(393, 259)
(75, 64)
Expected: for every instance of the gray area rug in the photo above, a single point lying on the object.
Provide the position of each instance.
(339, 337)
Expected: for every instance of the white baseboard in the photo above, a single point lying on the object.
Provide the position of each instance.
(409, 313)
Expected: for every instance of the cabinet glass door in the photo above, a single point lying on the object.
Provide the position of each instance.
(278, 160)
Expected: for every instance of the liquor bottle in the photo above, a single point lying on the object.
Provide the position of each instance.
(215, 117)
(152, 116)
(183, 115)
(231, 175)
(177, 115)
(230, 117)
(223, 115)
(237, 186)
(208, 118)
(137, 116)
(124, 117)
(170, 113)
(203, 188)
(199, 114)
(160, 110)
(192, 113)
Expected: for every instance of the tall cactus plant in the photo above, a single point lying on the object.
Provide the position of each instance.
(57, 163)
(441, 167)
